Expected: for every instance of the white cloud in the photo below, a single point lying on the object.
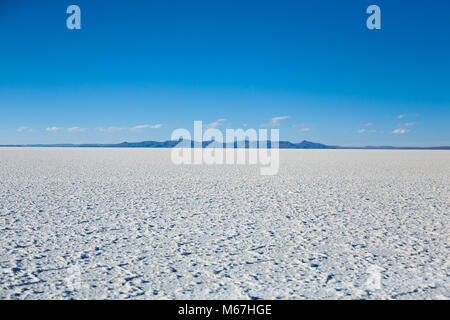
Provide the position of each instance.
(134, 128)
(139, 127)
(53, 129)
(110, 129)
(400, 131)
(301, 127)
(76, 129)
(409, 124)
(364, 130)
(275, 121)
(24, 128)
(405, 115)
(215, 124)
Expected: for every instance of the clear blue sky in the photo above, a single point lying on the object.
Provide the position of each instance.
(135, 65)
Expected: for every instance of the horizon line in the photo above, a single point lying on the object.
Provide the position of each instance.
(304, 144)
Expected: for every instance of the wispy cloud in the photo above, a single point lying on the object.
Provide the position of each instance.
(406, 115)
(140, 127)
(275, 121)
(53, 129)
(365, 128)
(400, 131)
(110, 129)
(24, 129)
(76, 129)
(403, 128)
(215, 124)
(134, 128)
(301, 127)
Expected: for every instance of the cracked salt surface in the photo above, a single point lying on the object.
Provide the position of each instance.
(128, 224)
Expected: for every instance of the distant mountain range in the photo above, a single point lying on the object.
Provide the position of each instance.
(173, 143)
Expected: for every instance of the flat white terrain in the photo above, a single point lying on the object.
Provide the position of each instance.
(128, 224)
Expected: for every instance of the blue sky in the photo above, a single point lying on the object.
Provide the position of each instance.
(137, 70)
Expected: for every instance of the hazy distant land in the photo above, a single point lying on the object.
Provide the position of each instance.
(173, 143)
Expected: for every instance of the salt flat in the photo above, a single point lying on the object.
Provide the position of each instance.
(128, 224)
